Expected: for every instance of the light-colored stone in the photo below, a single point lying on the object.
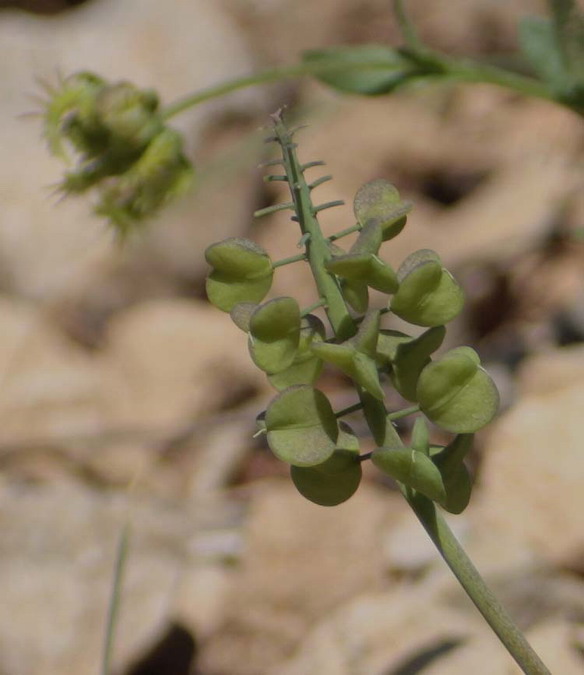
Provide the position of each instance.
(380, 633)
(49, 386)
(173, 361)
(300, 562)
(531, 481)
(58, 549)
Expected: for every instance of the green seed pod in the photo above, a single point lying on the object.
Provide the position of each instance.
(274, 334)
(420, 436)
(241, 315)
(302, 427)
(456, 393)
(387, 344)
(363, 265)
(356, 356)
(379, 202)
(455, 475)
(328, 489)
(410, 359)
(337, 478)
(306, 367)
(428, 295)
(355, 294)
(242, 272)
(411, 468)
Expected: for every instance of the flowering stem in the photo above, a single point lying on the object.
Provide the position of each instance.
(450, 69)
(380, 423)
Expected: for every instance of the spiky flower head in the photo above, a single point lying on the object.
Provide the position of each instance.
(115, 140)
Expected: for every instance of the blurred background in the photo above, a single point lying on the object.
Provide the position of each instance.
(126, 398)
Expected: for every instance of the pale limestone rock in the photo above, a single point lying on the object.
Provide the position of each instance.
(383, 632)
(58, 549)
(173, 361)
(300, 562)
(531, 481)
(50, 387)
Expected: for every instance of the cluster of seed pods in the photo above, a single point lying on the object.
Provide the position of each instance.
(291, 345)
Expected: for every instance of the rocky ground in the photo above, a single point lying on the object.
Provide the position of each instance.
(126, 400)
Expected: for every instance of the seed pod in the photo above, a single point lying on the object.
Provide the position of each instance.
(356, 356)
(428, 295)
(302, 427)
(455, 475)
(410, 359)
(456, 393)
(242, 272)
(306, 367)
(363, 265)
(411, 468)
(274, 334)
(379, 202)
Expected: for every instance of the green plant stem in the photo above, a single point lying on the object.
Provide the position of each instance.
(115, 598)
(317, 249)
(398, 414)
(345, 232)
(315, 305)
(288, 261)
(472, 582)
(462, 71)
(383, 430)
(262, 77)
(349, 409)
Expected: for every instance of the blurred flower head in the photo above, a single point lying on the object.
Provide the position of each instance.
(115, 140)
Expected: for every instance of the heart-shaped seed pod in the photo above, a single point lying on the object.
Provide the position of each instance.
(242, 272)
(456, 393)
(302, 427)
(428, 294)
(274, 334)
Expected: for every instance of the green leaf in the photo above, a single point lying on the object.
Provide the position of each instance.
(568, 19)
(428, 295)
(379, 202)
(302, 427)
(410, 359)
(274, 334)
(537, 40)
(362, 69)
(412, 468)
(456, 393)
(306, 367)
(242, 272)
